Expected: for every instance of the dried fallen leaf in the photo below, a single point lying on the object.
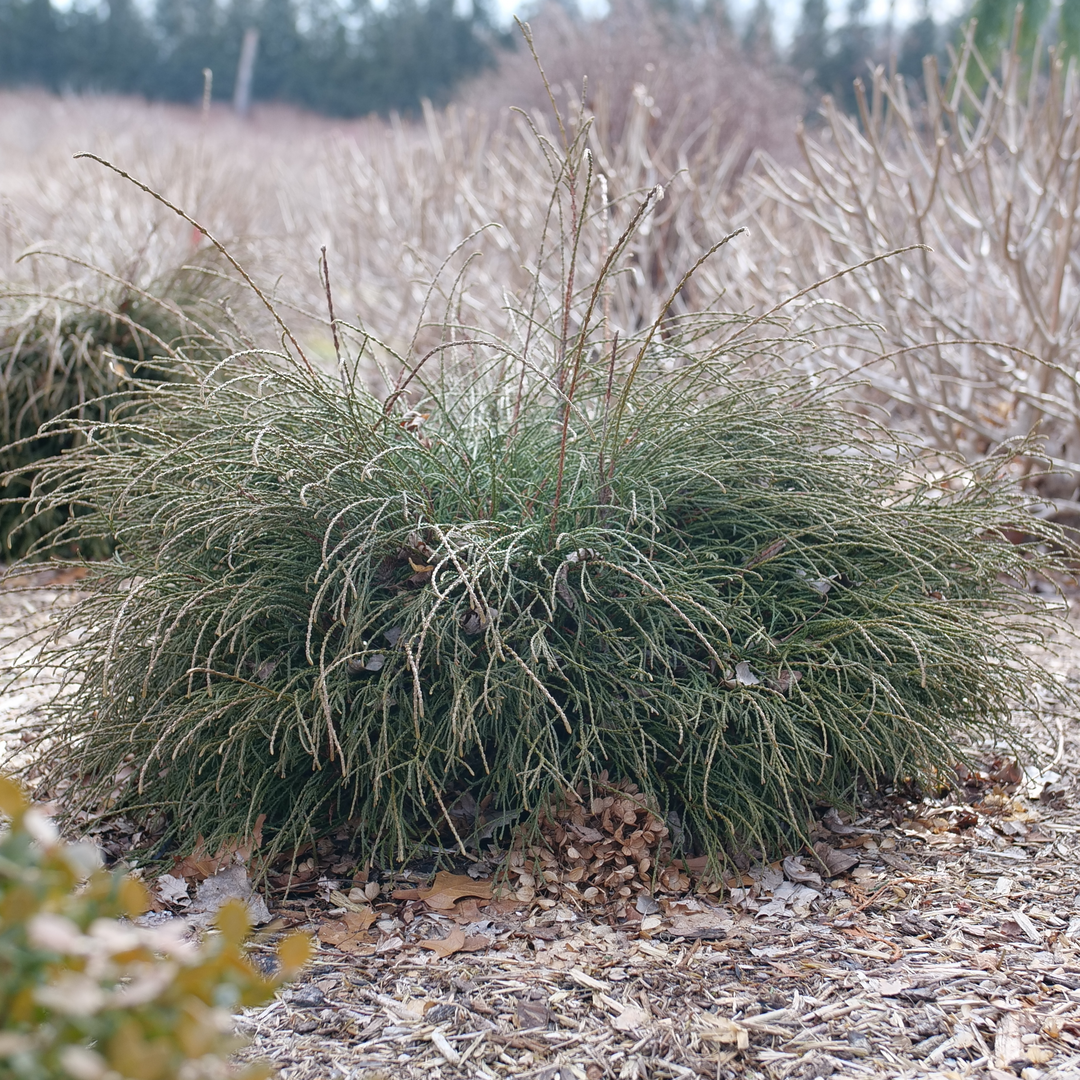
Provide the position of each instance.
(467, 911)
(446, 890)
(356, 901)
(709, 925)
(832, 861)
(795, 871)
(504, 906)
(414, 1009)
(447, 946)
(531, 1015)
(229, 884)
(201, 864)
(357, 921)
(477, 943)
(335, 935)
(173, 890)
(645, 904)
(349, 932)
(630, 1019)
(744, 676)
(832, 821)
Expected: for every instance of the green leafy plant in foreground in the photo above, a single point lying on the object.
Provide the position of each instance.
(538, 559)
(85, 995)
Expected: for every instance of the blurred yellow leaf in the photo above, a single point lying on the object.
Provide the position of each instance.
(233, 921)
(134, 898)
(294, 952)
(12, 800)
(260, 1070)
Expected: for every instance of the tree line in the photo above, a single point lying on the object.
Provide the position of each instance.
(341, 58)
(351, 57)
(828, 59)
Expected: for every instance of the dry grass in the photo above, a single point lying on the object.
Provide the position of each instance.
(705, 99)
(989, 184)
(975, 335)
(391, 201)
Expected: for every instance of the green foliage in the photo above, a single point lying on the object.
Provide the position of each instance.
(721, 590)
(85, 994)
(543, 556)
(1006, 24)
(75, 354)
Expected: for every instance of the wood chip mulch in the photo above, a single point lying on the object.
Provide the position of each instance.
(952, 954)
(929, 939)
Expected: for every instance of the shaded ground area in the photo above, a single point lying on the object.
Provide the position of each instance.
(939, 939)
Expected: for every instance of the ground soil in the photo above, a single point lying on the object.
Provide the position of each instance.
(948, 947)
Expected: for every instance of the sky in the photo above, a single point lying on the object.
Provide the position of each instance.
(904, 11)
(786, 12)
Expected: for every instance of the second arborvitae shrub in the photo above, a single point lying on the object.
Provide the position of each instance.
(539, 558)
(74, 353)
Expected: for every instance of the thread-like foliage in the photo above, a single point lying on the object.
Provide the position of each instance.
(569, 550)
(74, 352)
(319, 613)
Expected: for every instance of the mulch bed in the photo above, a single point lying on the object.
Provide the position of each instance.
(954, 953)
(941, 938)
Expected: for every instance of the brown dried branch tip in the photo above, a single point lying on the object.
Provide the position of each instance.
(602, 844)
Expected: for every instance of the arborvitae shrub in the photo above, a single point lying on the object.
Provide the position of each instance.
(539, 558)
(724, 592)
(85, 994)
(74, 354)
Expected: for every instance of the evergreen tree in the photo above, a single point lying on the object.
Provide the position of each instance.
(30, 46)
(1055, 23)
(122, 60)
(849, 59)
(759, 40)
(715, 14)
(342, 58)
(810, 49)
(280, 61)
(922, 38)
(192, 35)
(411, 52)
